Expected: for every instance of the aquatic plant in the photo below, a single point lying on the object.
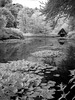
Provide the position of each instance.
(24, 80)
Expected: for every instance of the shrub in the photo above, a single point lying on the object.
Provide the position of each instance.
(17, 32)
(10, 33)
(13, 32)
(8, 15)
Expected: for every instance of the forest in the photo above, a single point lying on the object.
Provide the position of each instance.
(37, 51)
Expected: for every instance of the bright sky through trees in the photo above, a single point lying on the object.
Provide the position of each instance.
(29, 3)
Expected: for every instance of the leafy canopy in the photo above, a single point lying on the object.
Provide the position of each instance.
(23, 20)
(14, 8)
(59, 7)
(4, 2)
(7, 14)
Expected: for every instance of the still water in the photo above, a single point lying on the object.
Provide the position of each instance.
(45, 80)
(30, 45)
(18, 50)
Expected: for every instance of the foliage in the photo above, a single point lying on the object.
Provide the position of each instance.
(56, 11)
(4, 2)
(14, 32)
(14, 8)
(10, 33)
(2, 22)
(48, 56)
(66, 91)
(71, 35)
(71, 23)
(9, 17)
(23, 80)
(59, 7)
(38, 23)
(29, 11)
(33, 23)
(23, 20)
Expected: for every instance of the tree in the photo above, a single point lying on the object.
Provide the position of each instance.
(38, 23)
(14, 8)
(29, 11)
(9, 17)
(4, 2)
(2, 22)
(33, 23)
(23, 20)
(59, 7)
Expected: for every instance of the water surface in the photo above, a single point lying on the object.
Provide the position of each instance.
(22, 49)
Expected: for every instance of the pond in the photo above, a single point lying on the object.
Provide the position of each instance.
(33, 81)
(22, 49)
(30, 80)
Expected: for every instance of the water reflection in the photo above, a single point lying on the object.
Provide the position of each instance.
(62, 40)
(31, 45)
(23, 49)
